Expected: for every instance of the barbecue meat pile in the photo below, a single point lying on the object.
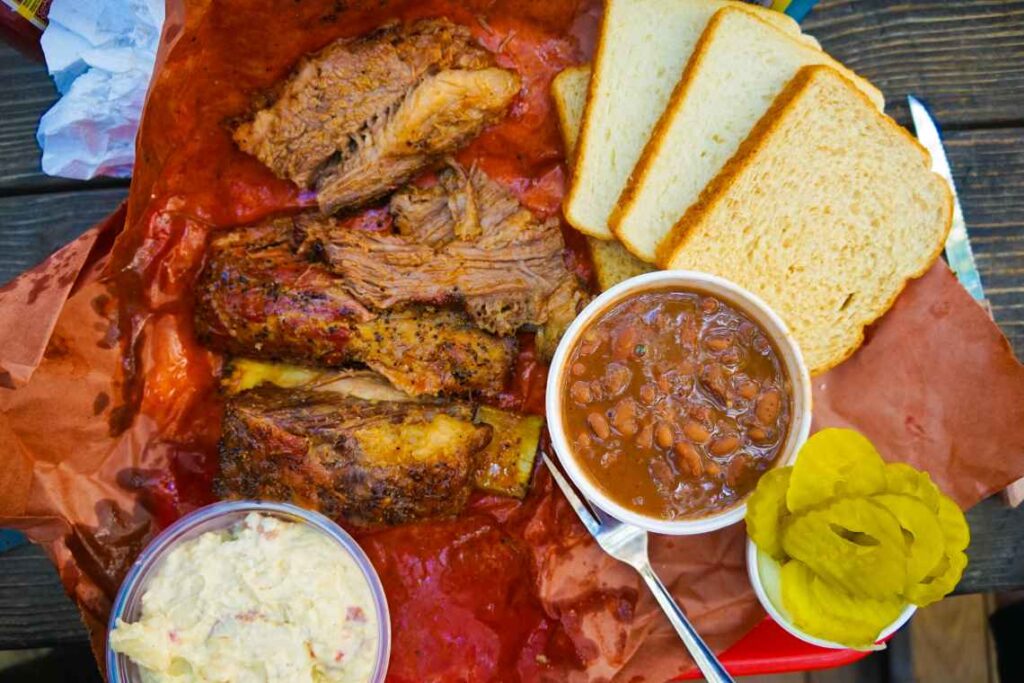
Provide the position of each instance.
(256, 297)
(432, 300)
(363, 115)
(369, 461)
(465, 240)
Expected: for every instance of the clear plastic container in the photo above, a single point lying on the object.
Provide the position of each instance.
(128, 604)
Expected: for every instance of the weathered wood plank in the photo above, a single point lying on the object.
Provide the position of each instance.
(35, 93)
(997, 537)
(868, 670)
(964, 621)
(34, 226)
(966, 59)
(988, 166)
(34, 610)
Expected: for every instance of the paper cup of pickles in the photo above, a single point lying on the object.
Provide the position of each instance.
(844, 547)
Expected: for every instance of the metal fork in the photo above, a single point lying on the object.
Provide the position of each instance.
(628, 544)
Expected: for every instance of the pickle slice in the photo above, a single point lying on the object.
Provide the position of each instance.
(922, 533)
(766, 510)
(853, 543)
(944, 577)
(954, 525)
(902, 478)
(943, 580)
(506, 465)
(834, 463)
(824, 610)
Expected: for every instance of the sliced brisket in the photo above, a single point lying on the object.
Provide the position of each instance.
(363, 115)
(467, 240)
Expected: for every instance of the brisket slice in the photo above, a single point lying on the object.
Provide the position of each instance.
(464, 240)
(256, 297)
(437, 117)
(367, 461)
(363, 115)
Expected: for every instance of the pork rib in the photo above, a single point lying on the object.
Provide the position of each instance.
(256, 297)
(368, 461)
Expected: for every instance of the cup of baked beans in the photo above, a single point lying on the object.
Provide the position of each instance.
(671, 394)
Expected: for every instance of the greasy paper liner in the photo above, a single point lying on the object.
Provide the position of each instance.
(111, 413)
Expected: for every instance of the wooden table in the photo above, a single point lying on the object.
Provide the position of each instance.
(965, 59)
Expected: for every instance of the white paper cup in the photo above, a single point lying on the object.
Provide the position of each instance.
(764, 577)
(682, 280)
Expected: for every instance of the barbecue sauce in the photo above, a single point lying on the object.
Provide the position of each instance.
(462, 593)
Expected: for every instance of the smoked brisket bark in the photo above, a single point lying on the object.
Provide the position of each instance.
(366, 461)
(256, 297)
(364, 115)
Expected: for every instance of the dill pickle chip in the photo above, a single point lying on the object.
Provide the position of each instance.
(795, 587)
(824, 610)
(765, 510)
(851, 542)
(904, 479)
(954, 525)
(921, 530)
(834, 463)
(863, 617)
(940, 582)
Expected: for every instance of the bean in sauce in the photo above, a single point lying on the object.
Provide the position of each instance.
(676, 403)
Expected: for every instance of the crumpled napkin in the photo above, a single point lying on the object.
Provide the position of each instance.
(100, 54)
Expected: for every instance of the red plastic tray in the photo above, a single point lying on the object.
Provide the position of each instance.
(768, 649)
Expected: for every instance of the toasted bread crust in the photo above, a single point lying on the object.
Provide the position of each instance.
(562, 110)
(654, 143)
(759, 137)
(581, 140)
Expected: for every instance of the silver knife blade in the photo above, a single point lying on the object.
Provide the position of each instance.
(958, 244)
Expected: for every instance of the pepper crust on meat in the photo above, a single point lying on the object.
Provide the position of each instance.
(256, 297)
(367, 461)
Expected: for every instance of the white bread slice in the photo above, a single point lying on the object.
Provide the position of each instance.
(826, 211)
(612, 263)
(569, 91)
(642, 48)
(739, 66)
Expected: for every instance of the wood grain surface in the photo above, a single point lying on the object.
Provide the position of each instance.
(964, 58)
(33, 607)
(34, 226)
(961, 620)
(29, 94)
(988, 166)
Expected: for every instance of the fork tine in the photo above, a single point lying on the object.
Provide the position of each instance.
(581, 508)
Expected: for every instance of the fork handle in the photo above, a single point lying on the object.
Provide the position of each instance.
(705, 658)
